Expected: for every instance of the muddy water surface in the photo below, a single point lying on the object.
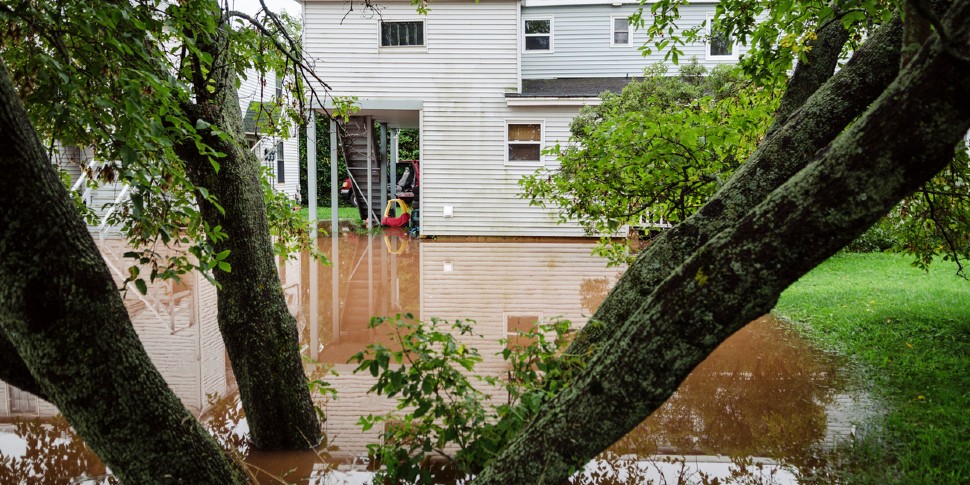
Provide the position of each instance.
(764, 393)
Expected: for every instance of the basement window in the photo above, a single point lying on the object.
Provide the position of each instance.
(402, 34)
(524, 142)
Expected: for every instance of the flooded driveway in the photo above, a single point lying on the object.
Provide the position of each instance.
(764, 393)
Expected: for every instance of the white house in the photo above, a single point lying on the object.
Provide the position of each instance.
(259, 96)
(488, 84)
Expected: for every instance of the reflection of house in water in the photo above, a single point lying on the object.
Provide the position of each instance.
(499, 285)
(177, 324)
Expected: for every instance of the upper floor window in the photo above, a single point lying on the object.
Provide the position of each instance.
(621, 32)
(538, 34)
(720, 43)
(399, 34)
(524, 142)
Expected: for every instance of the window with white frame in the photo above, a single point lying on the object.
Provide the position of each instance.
(280, 166)
(524, 140)
(720, 43)
(621, 32)
(538, 35)
(402, 33)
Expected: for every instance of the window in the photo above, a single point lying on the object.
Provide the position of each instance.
(621, 32)
(720, 43)
(524, 142)
(402, 34)
(538, 35)
(280, 176)
(279, 87)
(519, 324)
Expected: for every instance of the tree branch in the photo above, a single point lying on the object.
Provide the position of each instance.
(14, 371)
(779, 156)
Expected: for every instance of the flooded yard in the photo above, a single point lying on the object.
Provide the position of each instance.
(763, 394)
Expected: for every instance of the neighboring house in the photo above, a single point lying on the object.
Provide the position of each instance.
(260, 98)
(489, 85)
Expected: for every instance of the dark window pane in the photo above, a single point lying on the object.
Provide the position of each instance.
(720, 44)
(537, 26)
(621, 25)
(524, 152)
(402, 33)
(540, 43)
(621, 37)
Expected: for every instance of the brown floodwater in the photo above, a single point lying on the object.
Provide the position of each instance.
(764, 393)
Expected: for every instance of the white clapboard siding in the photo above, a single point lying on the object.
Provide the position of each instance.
(581, 42)
(461, 76)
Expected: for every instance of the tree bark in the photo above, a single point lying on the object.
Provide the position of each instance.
(814, 71)
(259, 332)
(62, 313)
(740, 272)
(14, 371)
(783, 153)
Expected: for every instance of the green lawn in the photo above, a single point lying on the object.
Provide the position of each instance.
(910, 331)
(323, 213)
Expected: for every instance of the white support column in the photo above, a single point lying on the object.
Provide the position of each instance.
(370, 174)
(334, 238)
(313, 317)
(334, 184)
(311, 173)
(382, 160)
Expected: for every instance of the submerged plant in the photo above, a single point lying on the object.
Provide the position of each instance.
(445, 422)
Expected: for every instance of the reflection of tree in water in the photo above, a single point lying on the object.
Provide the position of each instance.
(761, 393)
(55, 455)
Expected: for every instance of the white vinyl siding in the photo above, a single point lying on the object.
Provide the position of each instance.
(460, 78)
(584, 44)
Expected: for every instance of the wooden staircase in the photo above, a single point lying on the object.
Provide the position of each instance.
(359, 142)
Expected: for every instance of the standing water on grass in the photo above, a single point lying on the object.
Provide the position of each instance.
(764, 396)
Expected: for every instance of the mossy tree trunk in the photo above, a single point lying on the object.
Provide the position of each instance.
(259, 332)
(61, 313)
(902, 140)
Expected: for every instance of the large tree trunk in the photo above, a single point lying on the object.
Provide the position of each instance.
(903, 140)
(783, 153)
(62, 314)
(260, 334)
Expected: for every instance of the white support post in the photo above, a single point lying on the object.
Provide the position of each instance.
(311, 182)
(311, 173)
(382, 160)
(334, 187)
(334, 239)
(370, 174)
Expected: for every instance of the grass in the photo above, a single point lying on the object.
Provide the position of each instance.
(910, 331)
(323, 213)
